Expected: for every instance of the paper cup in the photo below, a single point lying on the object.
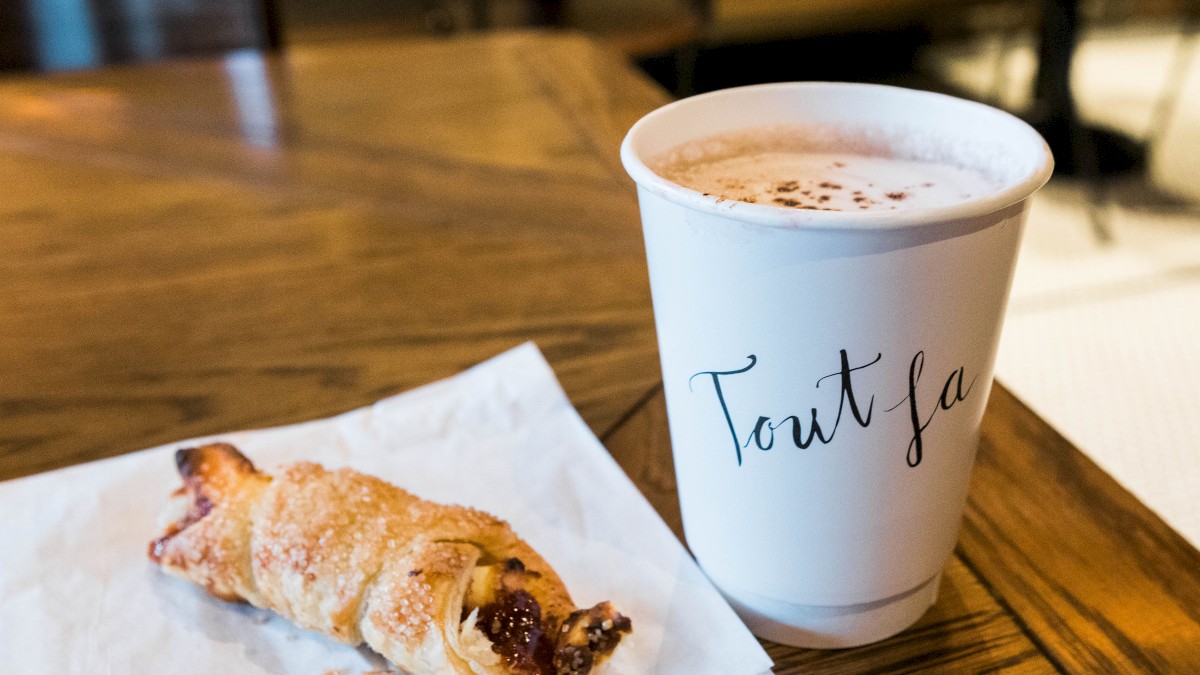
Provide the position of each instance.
(881, 326)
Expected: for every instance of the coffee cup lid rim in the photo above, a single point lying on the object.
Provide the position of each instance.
(984, 205)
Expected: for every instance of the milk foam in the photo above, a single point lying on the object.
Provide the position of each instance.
(778, 168)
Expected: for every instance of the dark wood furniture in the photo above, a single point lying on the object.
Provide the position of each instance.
(190, 248)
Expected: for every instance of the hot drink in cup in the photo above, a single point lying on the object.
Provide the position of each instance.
(830, 265)
(784, 166)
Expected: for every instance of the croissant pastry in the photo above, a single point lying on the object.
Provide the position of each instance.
(433, 588)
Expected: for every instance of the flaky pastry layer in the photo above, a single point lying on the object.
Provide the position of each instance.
(429, 586)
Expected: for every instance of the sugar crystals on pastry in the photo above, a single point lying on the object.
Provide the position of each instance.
(434, 588)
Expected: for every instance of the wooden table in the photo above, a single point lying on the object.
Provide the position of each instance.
(202, 246)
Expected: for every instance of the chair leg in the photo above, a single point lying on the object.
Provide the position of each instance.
(480, 17)
(272, 26)
(1168, 99)
(548, 13)
(685, 58)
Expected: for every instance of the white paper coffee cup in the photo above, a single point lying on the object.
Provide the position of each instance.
(881, 325)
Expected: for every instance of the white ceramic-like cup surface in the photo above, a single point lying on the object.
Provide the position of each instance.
(826, 372)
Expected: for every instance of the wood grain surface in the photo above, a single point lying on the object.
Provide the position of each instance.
(1058, 569)
(205, 245)
(1100, 581)
(211, 245)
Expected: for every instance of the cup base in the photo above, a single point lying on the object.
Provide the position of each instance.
(833, 627)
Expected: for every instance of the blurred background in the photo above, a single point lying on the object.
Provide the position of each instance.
(1101, 335)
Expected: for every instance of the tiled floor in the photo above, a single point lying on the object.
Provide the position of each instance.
(1103, 339)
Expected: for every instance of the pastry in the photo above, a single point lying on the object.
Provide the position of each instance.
(433, 588)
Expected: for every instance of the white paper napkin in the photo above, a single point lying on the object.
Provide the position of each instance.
(78, 595)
